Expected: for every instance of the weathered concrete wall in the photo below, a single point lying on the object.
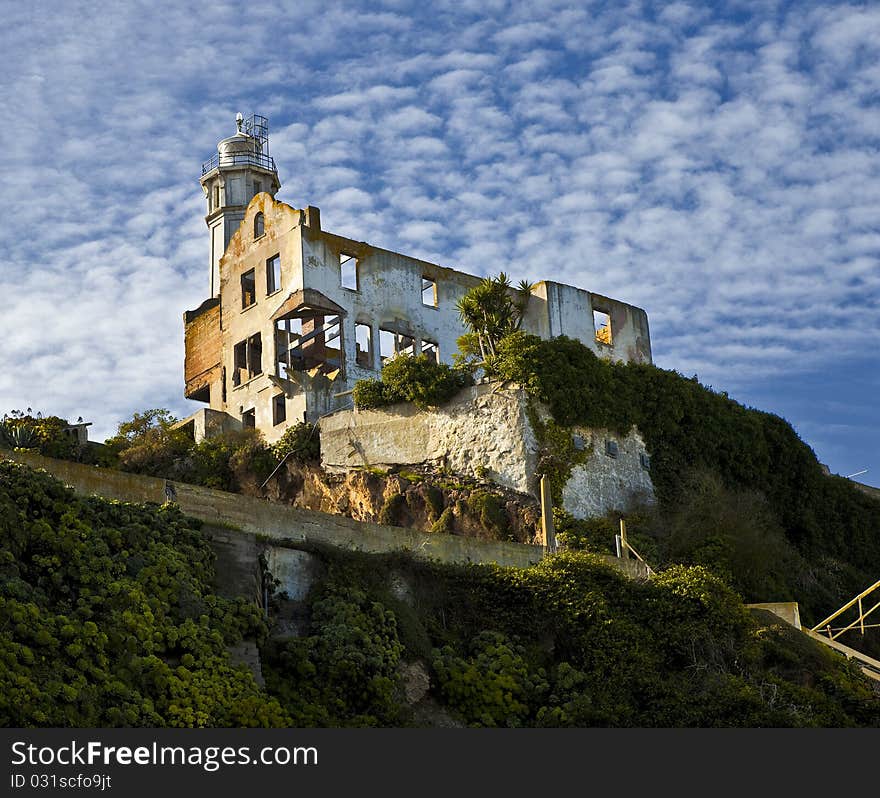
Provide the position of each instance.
(282, 237)
(296, 571)
(281, 522)
(604, 483)
(237, 567)
(787, 610)
(558, 309)
(483, 431)
(486, 431)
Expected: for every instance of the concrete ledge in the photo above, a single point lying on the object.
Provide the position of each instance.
(233, 512)
(787, 610)
(279, 521)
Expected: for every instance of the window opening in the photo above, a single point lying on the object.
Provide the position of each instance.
(279, 409)
(273, 274)
(249, 419)
(247, 359)
(611, 448)
(307, 340)
(348, 270)
(429, 292)
(602, 326)
(259, 225)
(406, 345)
(248, 289)
(394, 343)
(431, 349)
(363, 336)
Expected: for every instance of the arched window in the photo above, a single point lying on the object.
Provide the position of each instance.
(258, 225)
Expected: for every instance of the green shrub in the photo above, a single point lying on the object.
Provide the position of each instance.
(371, 393)
(49, 435)
(108, 617)
(301, 443)
(148, 443)
(493, 685)
(585, 534)
(420, 380)
(344, 672)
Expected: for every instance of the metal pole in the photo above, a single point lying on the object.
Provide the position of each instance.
(547, 516)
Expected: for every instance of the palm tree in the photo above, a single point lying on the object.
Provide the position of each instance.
(492, 310)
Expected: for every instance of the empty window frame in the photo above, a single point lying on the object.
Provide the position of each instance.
(394, 343)
(288, 333)
(273, 274)
(431, 349)
(216, 197)
(247, 359)
(307, 340)
(249, 419)
(248, 289)
(611, 448)
(363, 344)
(348, 271)
(602, 326)
(279, 409)
(259, 225)
(258, 187)
(429, 292)
(645, 461)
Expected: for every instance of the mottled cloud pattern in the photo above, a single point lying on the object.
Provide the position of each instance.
(718, 167)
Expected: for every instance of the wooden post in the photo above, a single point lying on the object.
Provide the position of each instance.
(547, 517)
(624, 546)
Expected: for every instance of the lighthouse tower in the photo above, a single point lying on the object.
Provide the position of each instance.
(240, 169)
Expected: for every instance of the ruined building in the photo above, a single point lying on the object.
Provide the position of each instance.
(296, 315)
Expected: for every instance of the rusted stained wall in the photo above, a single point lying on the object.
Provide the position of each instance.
(202, 346)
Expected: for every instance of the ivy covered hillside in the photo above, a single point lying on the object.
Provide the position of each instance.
(108, 618)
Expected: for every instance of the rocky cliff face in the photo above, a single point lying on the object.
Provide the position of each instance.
(421, 498)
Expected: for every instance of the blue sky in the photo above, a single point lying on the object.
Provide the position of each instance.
(716, 165)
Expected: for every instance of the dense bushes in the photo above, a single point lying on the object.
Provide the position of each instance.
(420, 380)
(150, 444)
(51, 436)
(569, 642)
(107, 617)
(301, 443)
(344, 672)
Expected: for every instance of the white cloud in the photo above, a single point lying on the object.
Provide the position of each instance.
(719, 171)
